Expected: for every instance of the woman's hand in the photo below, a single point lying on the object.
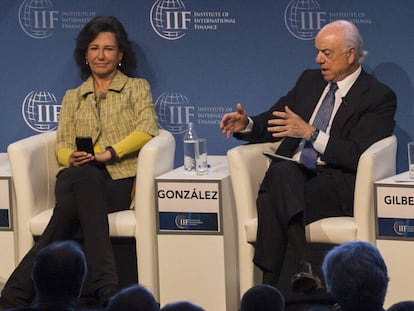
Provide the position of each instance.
(103, 156)
(78, 158)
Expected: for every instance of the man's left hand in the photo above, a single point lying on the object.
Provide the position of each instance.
(288, 123)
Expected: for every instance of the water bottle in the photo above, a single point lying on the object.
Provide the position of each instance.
(190, 145)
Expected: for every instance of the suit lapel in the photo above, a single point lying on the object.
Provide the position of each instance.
(311, 99)
(350, 103)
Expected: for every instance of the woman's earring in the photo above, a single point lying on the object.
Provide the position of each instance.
(119, 64)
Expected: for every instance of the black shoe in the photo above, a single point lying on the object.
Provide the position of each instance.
(305, 281)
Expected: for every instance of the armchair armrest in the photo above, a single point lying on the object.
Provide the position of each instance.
(154, 159)
(34, 166)
(377, 162)
(247, 166)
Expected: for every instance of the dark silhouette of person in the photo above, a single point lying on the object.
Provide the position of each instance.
(262, 298)
(59, 272)
(181, 306)
(356, 276)
(134, 297)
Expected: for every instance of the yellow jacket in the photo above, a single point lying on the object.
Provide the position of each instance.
(123, 118)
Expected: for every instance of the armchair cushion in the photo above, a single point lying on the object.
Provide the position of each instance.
(121, 224)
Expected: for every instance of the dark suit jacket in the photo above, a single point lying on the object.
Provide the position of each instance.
(365, 116)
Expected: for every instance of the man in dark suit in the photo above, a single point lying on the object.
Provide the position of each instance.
(295, 193)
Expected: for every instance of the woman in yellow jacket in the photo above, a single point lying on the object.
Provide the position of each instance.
(118, 113)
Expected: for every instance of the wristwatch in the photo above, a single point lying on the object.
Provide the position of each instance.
(314, 135)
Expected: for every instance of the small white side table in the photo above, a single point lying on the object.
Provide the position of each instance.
(8, 257)
(394, 201)
(196, 224)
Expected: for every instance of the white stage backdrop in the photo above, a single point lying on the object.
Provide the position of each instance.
(201, 57)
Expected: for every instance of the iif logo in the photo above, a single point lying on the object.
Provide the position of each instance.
(174, 111)
(40, 111)
(403, 228)
(181, 221)
(169, 19)
(185, 222)
(304, 18)
(37, 18)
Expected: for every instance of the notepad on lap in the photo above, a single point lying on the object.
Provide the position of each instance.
(275, 156)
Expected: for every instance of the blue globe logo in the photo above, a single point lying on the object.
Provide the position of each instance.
(36, 18)
(173, 112)
(301, 18)
(40, 111)
(163, 18)
(402, 228)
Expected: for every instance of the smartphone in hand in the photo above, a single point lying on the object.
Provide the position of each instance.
(84, 143)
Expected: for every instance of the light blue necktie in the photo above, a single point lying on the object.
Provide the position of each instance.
(309, 154)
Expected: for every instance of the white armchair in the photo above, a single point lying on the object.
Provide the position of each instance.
(34, 166)
(247, 167)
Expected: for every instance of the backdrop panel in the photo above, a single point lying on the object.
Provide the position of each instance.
(200, 57)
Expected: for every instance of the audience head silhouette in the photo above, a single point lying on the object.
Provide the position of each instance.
(405, 305)
(181, 306)
(59, 272)
(262, 298)
(356, 276)
(133, 298)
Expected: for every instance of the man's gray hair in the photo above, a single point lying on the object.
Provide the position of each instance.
(352, 38)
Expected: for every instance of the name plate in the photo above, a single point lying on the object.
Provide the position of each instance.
(395, 211)
(5, 204)
(188, 206)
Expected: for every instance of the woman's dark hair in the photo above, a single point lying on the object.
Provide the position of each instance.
(91, 30)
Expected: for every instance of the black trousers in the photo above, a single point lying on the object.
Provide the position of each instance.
(290, 197)
(84, 197)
